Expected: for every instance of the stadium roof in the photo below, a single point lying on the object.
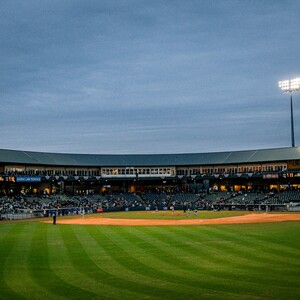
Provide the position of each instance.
(127, 160)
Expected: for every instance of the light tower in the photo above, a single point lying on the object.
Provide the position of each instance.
(290, 86)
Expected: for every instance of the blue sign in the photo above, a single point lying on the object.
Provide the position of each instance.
(28, 179)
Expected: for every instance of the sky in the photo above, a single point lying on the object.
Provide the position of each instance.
(139, 77)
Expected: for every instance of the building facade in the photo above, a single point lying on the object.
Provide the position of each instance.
(50, 173)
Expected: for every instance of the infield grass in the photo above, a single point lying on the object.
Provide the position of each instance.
(167, 214)
(244, 261)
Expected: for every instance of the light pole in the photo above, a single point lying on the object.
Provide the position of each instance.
(290, 86)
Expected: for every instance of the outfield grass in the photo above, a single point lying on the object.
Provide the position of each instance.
(245, 261)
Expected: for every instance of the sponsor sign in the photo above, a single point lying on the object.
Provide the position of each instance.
(28, 179)
(270, 176)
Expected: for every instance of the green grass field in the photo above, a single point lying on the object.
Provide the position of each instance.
(178, 214)
(245, 261)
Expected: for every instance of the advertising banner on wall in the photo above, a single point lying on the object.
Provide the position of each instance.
(28, 179)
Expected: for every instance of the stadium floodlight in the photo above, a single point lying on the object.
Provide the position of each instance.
(290, 86)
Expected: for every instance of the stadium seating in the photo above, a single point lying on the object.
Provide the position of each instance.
(91, 203)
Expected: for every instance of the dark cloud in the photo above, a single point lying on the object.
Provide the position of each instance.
(147, 77)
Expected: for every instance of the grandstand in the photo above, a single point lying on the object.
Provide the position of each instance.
(249, 180)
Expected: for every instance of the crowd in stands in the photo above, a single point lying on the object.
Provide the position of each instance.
(150, 200)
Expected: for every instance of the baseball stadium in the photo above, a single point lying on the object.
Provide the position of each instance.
(221, 225)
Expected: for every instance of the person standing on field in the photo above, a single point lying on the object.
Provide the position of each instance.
(173, 209)
(196, 211)
(188, 212)
(54, 218)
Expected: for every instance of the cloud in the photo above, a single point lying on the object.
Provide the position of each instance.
(115, 76)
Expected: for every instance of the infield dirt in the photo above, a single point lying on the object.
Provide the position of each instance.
(249, 218)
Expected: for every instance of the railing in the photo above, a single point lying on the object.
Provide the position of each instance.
(20, 216)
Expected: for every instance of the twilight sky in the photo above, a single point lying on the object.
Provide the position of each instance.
(147, 76)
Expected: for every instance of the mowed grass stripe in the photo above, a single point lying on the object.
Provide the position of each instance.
(168, 266)
(240, 256)
(282, 280)
(138, 257)
(88, 260)
(220, 272)
(67, 264)
(249, 233)
(117, 264)
(279, 282)
(128, 279)
(239, 253)
(175, 269)
(132, 258)
(17, 271)
(8, 240)
(256, 253)
(156, 247)
(42, 272)
(284, 243)
(189, 257)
